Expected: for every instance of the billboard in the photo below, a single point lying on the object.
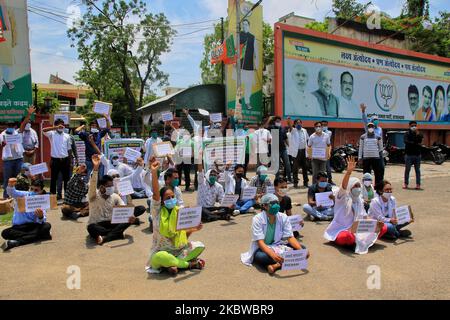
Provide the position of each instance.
(324, 77)
(15, 73)
(251, 37)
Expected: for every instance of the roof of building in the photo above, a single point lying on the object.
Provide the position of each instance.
(63, 87)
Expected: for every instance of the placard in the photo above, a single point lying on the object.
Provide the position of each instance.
(131, 154)
(249, 193)
(189, 218)
(122, 214)
(229, 200)
(102, 107)
(38, 169)
(63, 116)
(366, 226)
(319, 153)
(163, 149)
(102, 123)
(13, 138)
(295, 260)
(215, 117)
(270, 189)
(81, 151)
(323, 199)
(167, 116)
(124, 187)
(295, 221)
(404, 215)
(31, 203)
(186, 152)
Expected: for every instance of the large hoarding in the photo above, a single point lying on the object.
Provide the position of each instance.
(251, 37)
(15, 73)
(321, 76)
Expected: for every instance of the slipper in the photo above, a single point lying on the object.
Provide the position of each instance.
(199, 264)
(172, 270)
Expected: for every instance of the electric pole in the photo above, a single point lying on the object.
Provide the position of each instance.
(221, 64)
(238, 45)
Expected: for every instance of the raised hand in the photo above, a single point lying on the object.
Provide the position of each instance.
(351, 164)
(39, 213)
(140, 162)
(96, 161)
(31, 110)
(363, 107)
(154, 166)
(186, 111)
(12, 182)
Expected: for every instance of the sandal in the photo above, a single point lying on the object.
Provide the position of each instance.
(172, 270)
(198, 264)
(99, 240)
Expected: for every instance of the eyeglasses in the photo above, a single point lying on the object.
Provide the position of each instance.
(274, 202)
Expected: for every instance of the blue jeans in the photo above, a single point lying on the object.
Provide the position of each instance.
(326, 213)
(262, 259)
(287, 165)
(11, 168)
(409, 162)
(393, 230)
(138, 194)
(244, 205)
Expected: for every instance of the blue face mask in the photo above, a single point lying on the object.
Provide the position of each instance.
(299, 127)
(175, 183)
(170, 203)
(10, 131)
(323, 184)
(375, 122)
(274, 209)
(263, 177)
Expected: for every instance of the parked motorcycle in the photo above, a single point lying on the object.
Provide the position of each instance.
(433, 153)
(338, 160)
(444, 148)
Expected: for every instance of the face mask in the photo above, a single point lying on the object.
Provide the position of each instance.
(299, 127)
(154, 135)
(66, 130)
(387, 195)
(278, 124)
(60, 131)
(263, 177)
(318, 129)
(239, 175)
(28, 126)
(115, 162)
(109, 191)
(170, 203)
(94, 130)
(274, 209)
(367, 183)
(356, 192)
(413, 128)
(323, 184)
(175, 183)
(282, 191)
(324, 128)
(375, 122)
(10, 130)
(371, 130)
(212, 180)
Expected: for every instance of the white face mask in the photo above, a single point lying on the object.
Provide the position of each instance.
(283, 191)
(318, 129)
(356, 192)
(94, 130)
(324, 128)
(109, 191)
(367, 183)
(278, 124)
(371, 130)
(413, 128)
(28, 126)
(115, 162)
(387, 195)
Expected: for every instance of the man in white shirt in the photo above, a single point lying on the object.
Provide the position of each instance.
(148, 145)
(319, 148)
(30, 141)
(261, 139)
(347, 106)
(60, 143)
(298, 141)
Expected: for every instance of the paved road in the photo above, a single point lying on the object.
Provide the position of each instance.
(412, 269)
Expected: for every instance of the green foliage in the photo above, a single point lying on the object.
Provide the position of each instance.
(318, 26)
(347, 9)
(416, 8)
(41, 96)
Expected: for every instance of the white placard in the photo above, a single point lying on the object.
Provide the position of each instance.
(229, 200)
(203, 112)
(270, 189)
(102, 123)
(403, 215)
(163, 149)
(13, 138)
(38, 169)
(319, 153)
(63, 116)
(37, 202)
(295, 260)
(102, 107)
(186, 152)
(295, 222)
(124, 187)
(323, 199)
(189, 218)
(81, 151)
(121, 214)
(249, 193)
(367, 226)
(167, 116)
(131, 154)
(215, 117)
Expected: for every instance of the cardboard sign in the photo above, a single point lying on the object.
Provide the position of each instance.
(404, 215)
(102, 107)
(13, 138)
(125, 187)
(215, 117)
(38, 169)
(163, 149)
(81, 151)
(167, 116)
(31, 203)
(323, 199)
(186, 152)
(366, 226)
(229, 200)
(319, 153)
(131, 154)
(63, 116)
(189, 218)
(122, 214)
(102, 123)
(270, 189)
(249, 193)
(295, 222)
(295, 260)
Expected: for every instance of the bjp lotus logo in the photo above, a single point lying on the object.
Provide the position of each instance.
(386, 94)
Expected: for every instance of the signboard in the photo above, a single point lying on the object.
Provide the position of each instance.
(15, 75)
(251, 37)
(119, 146)
(328, 76)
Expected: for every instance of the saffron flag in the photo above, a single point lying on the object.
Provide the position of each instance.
(226, 52)
(1, 32)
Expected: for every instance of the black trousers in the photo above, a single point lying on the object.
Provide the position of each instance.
(377, 167)
(107, 230)
(28, 232)
(214, 213)
(300, 162)
(185, 168)
(59, 165)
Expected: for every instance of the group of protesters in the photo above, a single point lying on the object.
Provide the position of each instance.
(91, 188)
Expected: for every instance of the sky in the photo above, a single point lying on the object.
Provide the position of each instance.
(51, 51)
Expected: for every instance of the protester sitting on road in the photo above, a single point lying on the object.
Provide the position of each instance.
(27, 227)
(261, 181)
(285, 201)
(210, 192)
(172, 181)
(101, 203)
(75, 201)
(171, 249)
(137, 179)
(114, 163)
(234, 184)
(311, 209)
(271, 236)
(349, 207)
(382, 208)
(368, 191)
(24, 178)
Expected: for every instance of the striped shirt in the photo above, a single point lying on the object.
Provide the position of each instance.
(370, 146)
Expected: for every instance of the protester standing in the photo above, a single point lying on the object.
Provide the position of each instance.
(413, 145)
(320, 143)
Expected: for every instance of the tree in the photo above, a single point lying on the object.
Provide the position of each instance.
(347, 9)
(122, 59)
(41, 96)
(416, 8)
(318, 26)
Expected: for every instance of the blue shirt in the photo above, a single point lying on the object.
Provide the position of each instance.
(90, 151)
(20, 218)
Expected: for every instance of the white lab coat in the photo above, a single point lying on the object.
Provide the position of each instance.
(294, 141)
(230, 183)
(377, 212)
(283, 231)
(123, 169)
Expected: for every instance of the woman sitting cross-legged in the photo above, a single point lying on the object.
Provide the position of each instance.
(171, 249)
(271, 236)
